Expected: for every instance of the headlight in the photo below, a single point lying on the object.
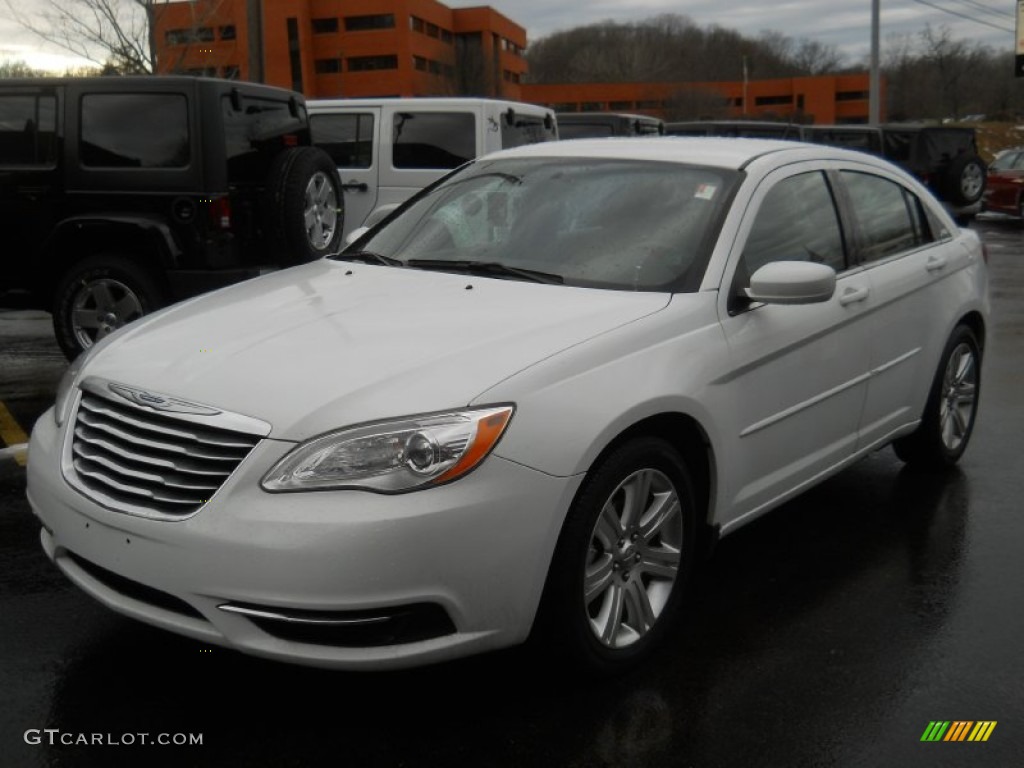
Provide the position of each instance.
(393, 456)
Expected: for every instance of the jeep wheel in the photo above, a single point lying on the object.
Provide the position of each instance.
(965, 180)
(96, 297)
(304, 205)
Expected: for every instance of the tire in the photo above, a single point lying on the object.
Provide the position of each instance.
(965, 180)
(97, 296)
(303, 206)
(948, 420)
(619, 570)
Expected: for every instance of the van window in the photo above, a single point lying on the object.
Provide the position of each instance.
(347, 138)
(434, 140)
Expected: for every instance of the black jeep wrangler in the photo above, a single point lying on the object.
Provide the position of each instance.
(119, 195)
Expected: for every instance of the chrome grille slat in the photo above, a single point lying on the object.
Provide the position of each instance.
(135, 460)
(90, 456)
(187, 431)
(181, 466)
(180, 449)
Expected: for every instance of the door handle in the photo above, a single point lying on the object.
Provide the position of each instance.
(358, 186)
(854, 294)
(935, 263)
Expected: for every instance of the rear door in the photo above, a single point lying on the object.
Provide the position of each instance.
(352, 138)
(29, 179)
(910, 259)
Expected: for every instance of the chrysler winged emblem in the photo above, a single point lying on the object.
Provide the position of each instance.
(158, 402)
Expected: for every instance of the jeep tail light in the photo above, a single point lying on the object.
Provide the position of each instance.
(220, 212)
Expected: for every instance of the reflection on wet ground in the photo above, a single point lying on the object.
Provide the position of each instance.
(830, 632)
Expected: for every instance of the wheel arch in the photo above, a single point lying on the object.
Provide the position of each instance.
(976, 323)
(686, 434)
(147, 243)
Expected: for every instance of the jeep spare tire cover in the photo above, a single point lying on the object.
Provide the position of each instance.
(303, 207)
(964, 181)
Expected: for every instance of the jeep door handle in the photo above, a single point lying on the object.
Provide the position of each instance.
(854, 294)
(358, 186)
(935, 263)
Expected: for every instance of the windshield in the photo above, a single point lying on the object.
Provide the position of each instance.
(623, 224)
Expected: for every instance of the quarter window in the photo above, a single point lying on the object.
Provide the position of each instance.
(28, 130)
(890, 218)
(134, 130)
(797, 221)
(433, 139)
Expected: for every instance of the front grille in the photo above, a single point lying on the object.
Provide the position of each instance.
(137, 460)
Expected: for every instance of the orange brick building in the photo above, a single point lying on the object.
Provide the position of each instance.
(365, 48)
(351, 48)
(822, 99)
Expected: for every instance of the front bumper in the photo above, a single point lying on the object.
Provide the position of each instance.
(477, 549)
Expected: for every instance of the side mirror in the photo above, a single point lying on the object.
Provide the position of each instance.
(792, 282)
(355, 234)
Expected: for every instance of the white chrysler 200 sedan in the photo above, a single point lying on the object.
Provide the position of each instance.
(525, 403)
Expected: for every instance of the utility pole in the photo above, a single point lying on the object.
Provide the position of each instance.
(875, 95)
(254, 26)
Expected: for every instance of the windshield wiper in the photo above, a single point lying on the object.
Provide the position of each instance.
(369, 257)
(487, 268)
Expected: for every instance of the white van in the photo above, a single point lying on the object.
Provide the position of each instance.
(387, 149)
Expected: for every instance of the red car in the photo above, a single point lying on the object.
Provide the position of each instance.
(1006, 183)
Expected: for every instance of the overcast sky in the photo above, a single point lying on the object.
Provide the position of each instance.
(845, 24)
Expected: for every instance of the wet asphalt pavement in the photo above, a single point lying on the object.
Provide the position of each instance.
(828, 633)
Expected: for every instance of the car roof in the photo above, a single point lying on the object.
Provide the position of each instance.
(729, 153)
(424, 102)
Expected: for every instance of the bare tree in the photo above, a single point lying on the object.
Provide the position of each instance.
(120, 34)
(17, 69)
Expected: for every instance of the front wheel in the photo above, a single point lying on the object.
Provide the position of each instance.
(622, 559)
(96, 297)
(948, 419)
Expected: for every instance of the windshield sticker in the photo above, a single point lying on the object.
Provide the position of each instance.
(706, 191)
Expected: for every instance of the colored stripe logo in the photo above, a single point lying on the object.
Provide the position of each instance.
(958, 730)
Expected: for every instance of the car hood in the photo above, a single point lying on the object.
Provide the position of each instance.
(332, 343)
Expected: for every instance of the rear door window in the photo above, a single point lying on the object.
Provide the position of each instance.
(28, 130)
(890, 219)
(347, 138)
(433, 140)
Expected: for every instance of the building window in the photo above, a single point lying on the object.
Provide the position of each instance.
(294, 54)
(367, 63)
(415, 23)
(447, 37)
(419, 63)
(231, 72)
(327, 66)
(768, 101)
(650, 104)
(188, 35)
(433, 139)
(852, 96)
(565, 106)
(434, 66)
(134, 130)
(325, 26)
(620, 105)
(433, 30)
(364, 23)
(227, 32)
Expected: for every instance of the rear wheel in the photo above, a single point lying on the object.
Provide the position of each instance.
(948, 419)
(622, 559)
(96, 297)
